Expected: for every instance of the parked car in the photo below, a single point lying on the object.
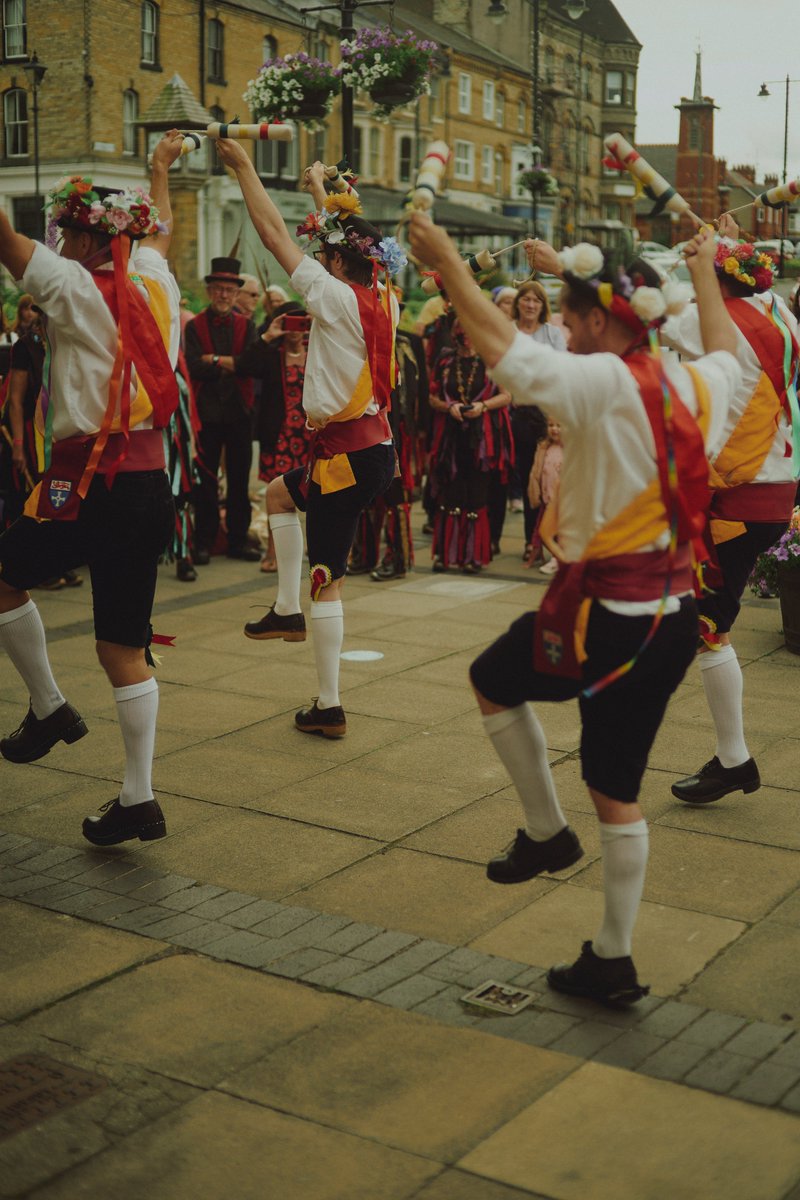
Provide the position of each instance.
(773, 247)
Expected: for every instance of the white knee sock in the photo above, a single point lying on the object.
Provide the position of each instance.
(519, 740)
(328, 628)
(22, 637)
(287, 537)
(137, 709)
(625, 850)
(722, 680)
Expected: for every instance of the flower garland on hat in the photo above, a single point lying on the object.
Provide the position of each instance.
(740, 261)
(73, 203)
(330, 227)
(627, 297)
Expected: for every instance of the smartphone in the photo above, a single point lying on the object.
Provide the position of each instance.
(292, 323)
(466, 408)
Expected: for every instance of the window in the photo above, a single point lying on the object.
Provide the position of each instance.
(487, 165)
(269, 48)
(465, 160)
(405, 159)
(27, 212)
(520, 116)
(433, 99)
(500, 110)
(613, 211)
(130, 115)
(613, 87)
(488, 100)
(498, 173)
(319, 144)
(14, 28)
(586, 81)
(278, 160)
(374, 161)
(464, 93)
(694, 134)
(549, 64)
(216, 51)
(15, 120)
(570, 78)
(149, 33)
(630, 89)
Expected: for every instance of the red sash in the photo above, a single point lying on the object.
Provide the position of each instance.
(142, 340)
(376, 325)
(766, 342)
(240, 323)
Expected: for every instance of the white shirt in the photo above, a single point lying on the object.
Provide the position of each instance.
(336, 347)
(83, 334)
(609, 450)
(682, 333)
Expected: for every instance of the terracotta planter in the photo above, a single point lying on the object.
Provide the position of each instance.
(789, 593)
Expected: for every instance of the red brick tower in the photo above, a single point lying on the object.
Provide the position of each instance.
(698, 172)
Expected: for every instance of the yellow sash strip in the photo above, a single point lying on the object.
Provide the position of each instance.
(334, 474)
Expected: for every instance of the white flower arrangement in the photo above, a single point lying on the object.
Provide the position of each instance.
(283, 85)
(648, 303)
(584, 261)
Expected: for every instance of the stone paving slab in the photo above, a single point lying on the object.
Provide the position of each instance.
(662, 1037)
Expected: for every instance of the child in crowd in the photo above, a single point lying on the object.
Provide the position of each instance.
(542, 494)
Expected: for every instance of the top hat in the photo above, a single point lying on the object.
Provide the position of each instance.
(225, 270)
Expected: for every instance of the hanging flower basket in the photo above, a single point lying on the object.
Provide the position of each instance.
(294, 88)
(538, 181)
(395, 68)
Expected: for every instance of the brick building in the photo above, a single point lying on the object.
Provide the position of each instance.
(117, 74)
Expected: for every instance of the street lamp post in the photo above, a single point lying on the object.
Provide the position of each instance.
(346, 10)
(497, 12)
(766, 92)
(575, 10)
(37, 71)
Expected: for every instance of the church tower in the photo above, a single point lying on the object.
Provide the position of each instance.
(698, 173)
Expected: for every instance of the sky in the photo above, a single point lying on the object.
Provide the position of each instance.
(739, 53)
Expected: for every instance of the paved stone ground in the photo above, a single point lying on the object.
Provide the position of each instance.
(286, 968)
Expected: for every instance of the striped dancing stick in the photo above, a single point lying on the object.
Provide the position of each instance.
(623, 156)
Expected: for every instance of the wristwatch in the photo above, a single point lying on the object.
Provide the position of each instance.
(215, 359)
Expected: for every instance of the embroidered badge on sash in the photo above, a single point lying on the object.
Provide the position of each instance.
(60, 491)
(553, 646)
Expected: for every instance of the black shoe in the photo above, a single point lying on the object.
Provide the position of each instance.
(427, 529)
(525, 858)
(73, 579)
(35, 738)
(358, 567)
(611, 981)
(388, 570)
(291, 628)
(438, 565)
(122, 823)
(202, 558)
(713, 781)
(330, 722)
(244, 553)
(185, 571)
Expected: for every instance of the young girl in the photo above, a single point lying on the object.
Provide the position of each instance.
(542, 494)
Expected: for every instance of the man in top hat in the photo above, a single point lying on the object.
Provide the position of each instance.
(348, 379)
(104, 498)
(225, 404)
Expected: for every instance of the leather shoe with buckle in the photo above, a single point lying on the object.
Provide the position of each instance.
(713, 781)
(329, 722)
(202, 558)
(123, 822)
(35, 737)
(525, 858)
(291, 628)
(611, 981)
(185, 571)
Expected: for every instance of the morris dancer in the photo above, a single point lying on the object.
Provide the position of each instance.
(105, 499)
(753, 480)
(349, 374)
(633, 488)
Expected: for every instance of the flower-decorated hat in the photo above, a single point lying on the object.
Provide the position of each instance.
(341, 226)
(75, 203)
(739, 263)
(634, 296)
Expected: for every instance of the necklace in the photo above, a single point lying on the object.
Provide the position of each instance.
(294, 353)
(465, 392)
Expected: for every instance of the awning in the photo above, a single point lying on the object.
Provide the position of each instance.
(384, 207)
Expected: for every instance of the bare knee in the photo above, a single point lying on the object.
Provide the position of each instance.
(278, 497)
(124, 665)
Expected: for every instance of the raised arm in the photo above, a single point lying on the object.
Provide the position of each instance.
(716, 328)
(489, 330)
(267, 221)
(15, 248)
(314, 183)
(164, 155)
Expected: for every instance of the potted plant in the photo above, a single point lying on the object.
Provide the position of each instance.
(394, 68)
(777, 573)
(538, 181)
(295, 87)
